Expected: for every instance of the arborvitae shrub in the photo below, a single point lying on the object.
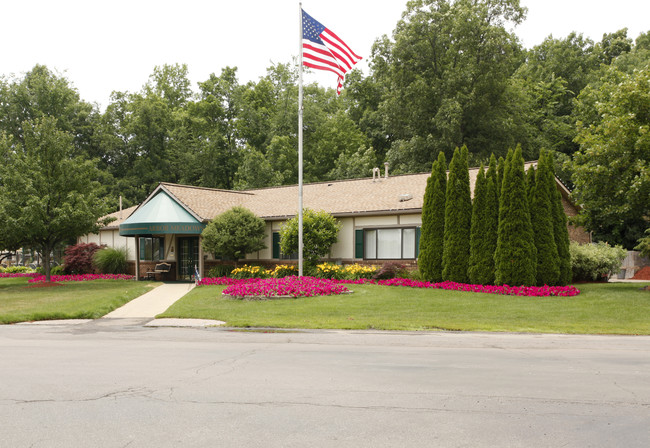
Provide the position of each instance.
(561, 235)
(542, 211)
(433, 222)
(515, 257)
(481, 260)
(458, 217)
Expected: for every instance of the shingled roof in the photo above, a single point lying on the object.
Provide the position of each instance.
(396, 194)
(400, 194)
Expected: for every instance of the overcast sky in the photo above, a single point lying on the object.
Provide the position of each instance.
(101, 46)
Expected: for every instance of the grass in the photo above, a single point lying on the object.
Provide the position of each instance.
(69, 300)
(615, 308)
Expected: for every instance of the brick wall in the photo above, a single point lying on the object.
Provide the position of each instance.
(576, 233)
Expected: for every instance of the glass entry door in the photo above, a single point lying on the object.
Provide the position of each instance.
(188, 257)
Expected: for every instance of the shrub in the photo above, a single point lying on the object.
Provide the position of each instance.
(542, 207)
(284, 270)
(17, 270)
(220, 270)
(515, 258)
(110, 260)
(591, 262)
(250, 272)
(433, 221)
(389, 270)
(78, 259)
(234, 233)
(458, 219)
(320, 230)
(57, 270)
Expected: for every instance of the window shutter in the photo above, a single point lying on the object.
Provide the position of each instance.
(142, 253)
(276, 245)
(358, 243)
(418, 231)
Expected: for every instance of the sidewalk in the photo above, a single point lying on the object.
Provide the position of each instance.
(152, 303)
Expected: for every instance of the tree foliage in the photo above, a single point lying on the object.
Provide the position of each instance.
(48, 194)
(449, 71)
(320, 232)
(515, 257)
(458, 216)
(433, 222)
(542, 210)
(483, 230)
(612, 167)
(234, 233)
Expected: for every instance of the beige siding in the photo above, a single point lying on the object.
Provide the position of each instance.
(410, 220)
(375, 221)
(344, 247)
(268, 241)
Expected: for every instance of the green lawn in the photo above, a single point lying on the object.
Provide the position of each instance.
(68, 300)
(615, 308)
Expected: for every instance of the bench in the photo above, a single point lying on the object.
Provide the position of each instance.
(160, 268)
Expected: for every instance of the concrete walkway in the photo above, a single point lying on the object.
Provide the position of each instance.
(152, 303)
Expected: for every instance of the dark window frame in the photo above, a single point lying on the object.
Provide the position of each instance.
(152, 256)
(416, 236)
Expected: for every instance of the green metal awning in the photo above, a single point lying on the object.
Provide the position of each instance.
(161, 215)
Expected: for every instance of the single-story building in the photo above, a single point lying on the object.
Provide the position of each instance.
(380, 221)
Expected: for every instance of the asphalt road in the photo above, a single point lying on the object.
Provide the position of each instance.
(115, 383)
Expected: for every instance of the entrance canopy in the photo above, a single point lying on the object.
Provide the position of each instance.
(161, 215)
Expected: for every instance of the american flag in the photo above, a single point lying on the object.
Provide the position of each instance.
(324, 50)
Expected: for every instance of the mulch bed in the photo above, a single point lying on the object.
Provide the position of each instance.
(642, 274)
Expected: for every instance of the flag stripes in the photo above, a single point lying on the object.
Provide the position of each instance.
(322, 49)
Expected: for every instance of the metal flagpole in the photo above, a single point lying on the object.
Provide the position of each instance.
(300, 243)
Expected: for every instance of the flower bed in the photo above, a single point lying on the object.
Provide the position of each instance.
(309, 286)
(284, 287)
(528, 291)
(81, 278)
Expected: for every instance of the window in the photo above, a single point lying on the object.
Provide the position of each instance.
(152, 249)
(277, 253)
(388, 244)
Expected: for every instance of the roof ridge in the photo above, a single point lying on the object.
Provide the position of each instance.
(194, 187)
(325, 182)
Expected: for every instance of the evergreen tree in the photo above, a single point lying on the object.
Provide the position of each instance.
(515, 257)
(530, 184)
(501, 167)
(458, 217)
(561, 234)
(425, 259)
(481, 262)
(541, 214)
(433, 222)
(492, 169)
(491, 219)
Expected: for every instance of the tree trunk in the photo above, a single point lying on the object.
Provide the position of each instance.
(47, 268)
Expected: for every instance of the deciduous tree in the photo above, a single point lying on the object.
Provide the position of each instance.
(49, 195)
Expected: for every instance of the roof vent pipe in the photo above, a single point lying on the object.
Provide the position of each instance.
(386, 170)
(376, 174)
